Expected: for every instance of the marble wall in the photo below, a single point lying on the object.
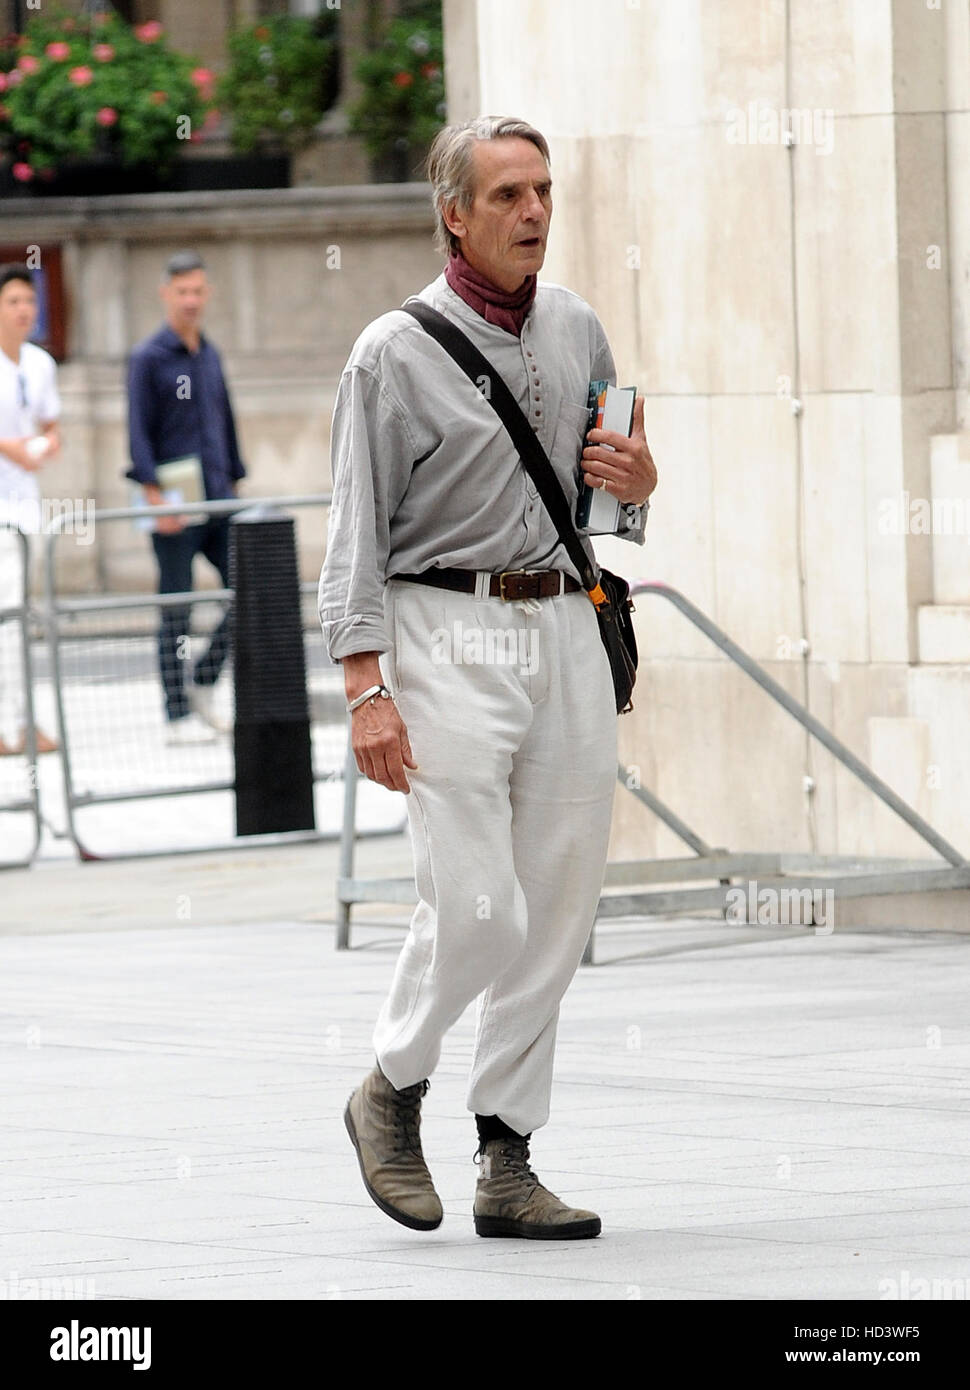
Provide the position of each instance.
(795, 312)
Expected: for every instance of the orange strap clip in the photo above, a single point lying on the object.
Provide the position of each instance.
(597, 596)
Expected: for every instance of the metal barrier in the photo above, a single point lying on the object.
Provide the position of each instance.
(847, 875)
(20, 823)
(104, 662)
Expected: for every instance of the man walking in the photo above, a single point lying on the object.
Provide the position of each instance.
(179, 407)
(509, 764)
(29, 437)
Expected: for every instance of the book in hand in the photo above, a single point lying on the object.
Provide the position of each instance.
(597, 512)
(180, 480)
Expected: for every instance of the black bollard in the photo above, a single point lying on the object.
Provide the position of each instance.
(274, 766)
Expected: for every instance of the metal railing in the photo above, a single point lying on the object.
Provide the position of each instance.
(110, 707)
(852, 876)
(20, 822)
(798, 712)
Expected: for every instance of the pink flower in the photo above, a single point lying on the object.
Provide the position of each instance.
(103, 52)
(81, 77)
(158, 98)
(148, 33)
(402, 79)
(27, 63)
(3, 81)
(22, 172)
(14, 78)
(107, 116)
(202, 77)
(58, 51)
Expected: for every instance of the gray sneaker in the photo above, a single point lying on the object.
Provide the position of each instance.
(511, 1201)
(384, 1128)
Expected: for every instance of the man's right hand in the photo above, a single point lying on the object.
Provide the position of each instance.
(377, 732)
(381, 747)
(164, 525)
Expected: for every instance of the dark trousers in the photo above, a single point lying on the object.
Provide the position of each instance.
(175, 554)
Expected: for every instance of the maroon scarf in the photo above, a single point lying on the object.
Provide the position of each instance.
(505, 308)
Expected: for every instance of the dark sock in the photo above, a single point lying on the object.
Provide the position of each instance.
(491, 1127)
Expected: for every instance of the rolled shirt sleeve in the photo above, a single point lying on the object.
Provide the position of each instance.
(371, 454)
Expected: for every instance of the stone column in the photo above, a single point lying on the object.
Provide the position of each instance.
(956, 43)
(199, 30)
(462, 81)
(783, 310)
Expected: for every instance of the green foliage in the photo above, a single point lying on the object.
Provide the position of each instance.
(282, 78)
(403, 103)
(104, 87)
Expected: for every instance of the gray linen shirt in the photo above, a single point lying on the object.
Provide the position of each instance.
(424, 472)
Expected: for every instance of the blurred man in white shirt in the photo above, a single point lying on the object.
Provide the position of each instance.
(29, 436)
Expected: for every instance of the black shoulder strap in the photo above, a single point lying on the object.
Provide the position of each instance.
(477, 366)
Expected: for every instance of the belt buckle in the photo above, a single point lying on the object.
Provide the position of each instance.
(504, 576)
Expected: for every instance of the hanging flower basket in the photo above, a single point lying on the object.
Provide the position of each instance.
(403, 103)
(80, 97)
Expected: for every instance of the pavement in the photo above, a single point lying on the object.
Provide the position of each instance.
(756, 1113)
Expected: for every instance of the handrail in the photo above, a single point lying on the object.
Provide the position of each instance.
(224, 506)
(798, 711)
(221, 507)
(56, 608)
(663, 812)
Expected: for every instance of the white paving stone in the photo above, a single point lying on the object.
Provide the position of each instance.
(759, 1118)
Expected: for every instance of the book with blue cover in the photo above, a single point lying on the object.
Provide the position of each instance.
(610, 408)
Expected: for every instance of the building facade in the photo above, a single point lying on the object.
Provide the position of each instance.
(766, 204)
(766, 201)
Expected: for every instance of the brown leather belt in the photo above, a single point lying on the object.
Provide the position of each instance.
(510, 585)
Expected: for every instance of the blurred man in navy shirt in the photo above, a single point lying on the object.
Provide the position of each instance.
(178, 406)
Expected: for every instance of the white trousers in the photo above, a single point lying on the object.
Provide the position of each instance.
(511, 718)
(12, 707)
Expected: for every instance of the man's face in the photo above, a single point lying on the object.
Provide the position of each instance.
(504, 232)
(18, 310)
(185, 297)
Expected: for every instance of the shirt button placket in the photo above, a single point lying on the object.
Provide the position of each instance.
(534, 386)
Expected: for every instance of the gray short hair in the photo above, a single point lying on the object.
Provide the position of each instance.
(182, 262)
(450, 167)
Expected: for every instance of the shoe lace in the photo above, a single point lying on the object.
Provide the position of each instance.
(515, 1156)
(407, 1116)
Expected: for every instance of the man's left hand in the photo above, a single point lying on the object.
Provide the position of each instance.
(627, 470)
